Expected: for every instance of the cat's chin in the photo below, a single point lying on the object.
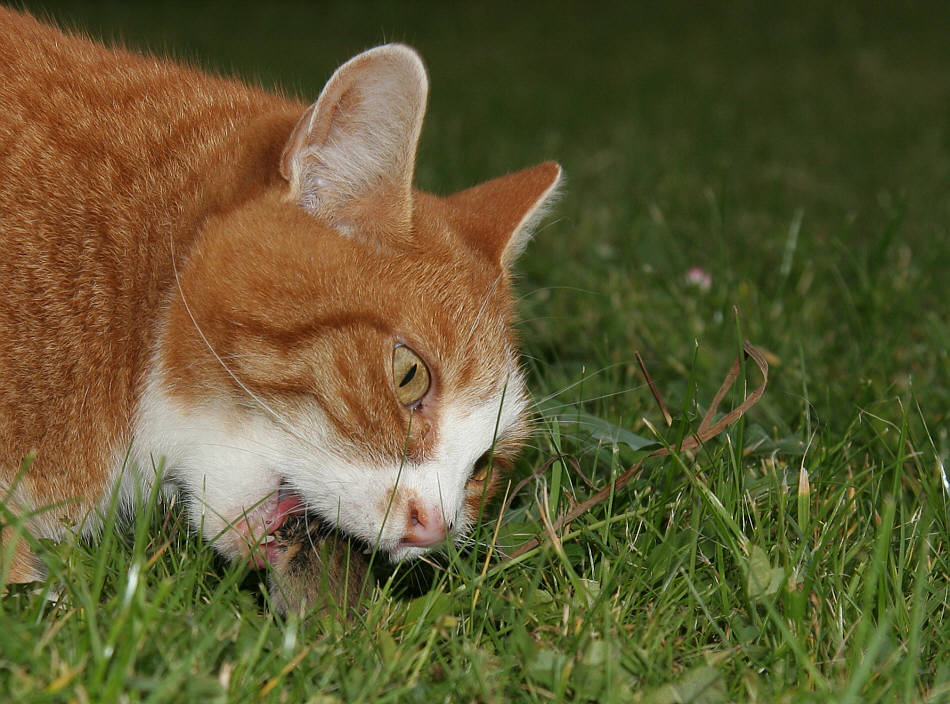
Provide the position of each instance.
(407, 553)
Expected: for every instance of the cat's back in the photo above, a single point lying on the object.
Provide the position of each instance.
(98, 122)
(109, 159)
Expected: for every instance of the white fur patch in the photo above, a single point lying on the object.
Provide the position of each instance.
(226, 466)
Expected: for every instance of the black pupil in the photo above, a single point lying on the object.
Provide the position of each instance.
(411, 373)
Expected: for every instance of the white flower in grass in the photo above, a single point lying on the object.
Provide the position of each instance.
(699, 277)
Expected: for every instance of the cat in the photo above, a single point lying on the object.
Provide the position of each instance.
(248, 294)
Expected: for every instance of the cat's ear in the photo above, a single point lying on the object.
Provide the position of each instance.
(498, 217)
(359, 139)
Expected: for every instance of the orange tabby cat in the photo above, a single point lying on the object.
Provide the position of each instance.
(251, 291)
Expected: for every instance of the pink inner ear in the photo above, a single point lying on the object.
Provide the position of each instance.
(496, 216)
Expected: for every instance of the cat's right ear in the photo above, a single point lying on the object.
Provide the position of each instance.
(498, 217)
(353, 152)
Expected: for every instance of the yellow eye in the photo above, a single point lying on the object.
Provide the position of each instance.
(410, 375)
(480, 472)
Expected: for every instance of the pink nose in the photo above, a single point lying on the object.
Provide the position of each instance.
(425, 526)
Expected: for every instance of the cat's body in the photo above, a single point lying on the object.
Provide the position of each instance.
(96, 191)
(196, 271)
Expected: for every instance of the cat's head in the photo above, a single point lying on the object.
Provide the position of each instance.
(343, 340)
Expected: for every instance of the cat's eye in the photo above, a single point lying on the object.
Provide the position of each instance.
(410, 375)
(482, 465)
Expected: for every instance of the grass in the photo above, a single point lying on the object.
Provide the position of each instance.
(798, 154)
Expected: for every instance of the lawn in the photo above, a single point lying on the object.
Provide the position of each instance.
(772, 172)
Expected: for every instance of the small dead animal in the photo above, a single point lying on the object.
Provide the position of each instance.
(315, 569)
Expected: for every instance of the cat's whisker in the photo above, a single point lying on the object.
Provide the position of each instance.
(269, 455)
(591, 399)
(469, 543)
(551, 318)
(587, 377)
(565, 434)
(259, 401)
(264, 450)
(542, 289)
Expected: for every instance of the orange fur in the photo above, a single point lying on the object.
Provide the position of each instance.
(155, 220)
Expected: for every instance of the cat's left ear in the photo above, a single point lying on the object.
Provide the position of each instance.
(498, 217)
(351, 157)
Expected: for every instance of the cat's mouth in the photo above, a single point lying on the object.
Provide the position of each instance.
(261, 525)
(289, 502)
(293, 528)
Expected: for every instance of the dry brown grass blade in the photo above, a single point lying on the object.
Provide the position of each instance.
(706, 431)
(667, 418)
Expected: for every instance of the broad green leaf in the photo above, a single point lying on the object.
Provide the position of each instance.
(700, 685)
(605, 431)
(763, 579)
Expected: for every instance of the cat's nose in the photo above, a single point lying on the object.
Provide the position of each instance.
(425, 525)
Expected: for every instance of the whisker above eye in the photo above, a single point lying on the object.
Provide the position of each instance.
(481, 310)
(542, 289)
